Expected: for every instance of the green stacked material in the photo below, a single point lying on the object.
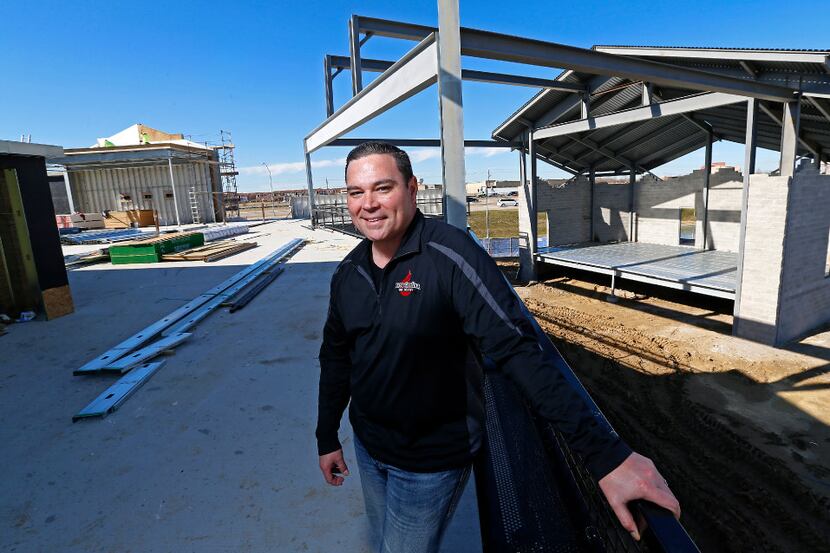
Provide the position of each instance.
(151, 250)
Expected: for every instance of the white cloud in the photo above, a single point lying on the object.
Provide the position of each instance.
(289, 167)
(424, 154)
(418, 155)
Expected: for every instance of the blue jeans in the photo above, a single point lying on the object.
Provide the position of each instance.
(408, 511)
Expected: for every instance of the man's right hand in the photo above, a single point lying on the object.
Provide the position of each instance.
(332, 463)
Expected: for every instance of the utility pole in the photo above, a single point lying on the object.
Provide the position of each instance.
(487, 205)
(271, 186)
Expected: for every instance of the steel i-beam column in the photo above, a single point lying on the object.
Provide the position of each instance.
(173, 185)
(585, 105)
(452, 113)
(328, 83)
(533, 201)
(69, 189)
(707, 174)
(647, 93)
(354, 54)
(632, 182)
(749, 168)
(310, 184)
(789, 137)
(592, 177)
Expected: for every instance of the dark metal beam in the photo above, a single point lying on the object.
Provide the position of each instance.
(647, 138)
(673, 147)
(489, 45)
(379, 66)
(327, 76)
(634, 115)
(518, 80)
(418, 142)
(823, 106)
(556, 153)
(813, 148)
(354, 54)
(749, 68)
(598, 105)
(548, 54)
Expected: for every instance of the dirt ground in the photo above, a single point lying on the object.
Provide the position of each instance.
(741, 431)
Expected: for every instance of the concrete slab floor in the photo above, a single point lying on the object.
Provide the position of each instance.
(215, 453)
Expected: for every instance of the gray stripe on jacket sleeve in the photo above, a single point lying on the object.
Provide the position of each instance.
(476, 281)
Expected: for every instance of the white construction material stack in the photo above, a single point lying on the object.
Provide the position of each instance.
(216, 233)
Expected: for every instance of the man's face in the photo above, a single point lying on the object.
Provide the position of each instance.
(381, 204)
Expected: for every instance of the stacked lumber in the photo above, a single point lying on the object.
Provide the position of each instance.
(151, 249)
(211, 252)
(79, 260)
(128, 219)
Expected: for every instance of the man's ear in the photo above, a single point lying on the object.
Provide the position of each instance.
(413, 187)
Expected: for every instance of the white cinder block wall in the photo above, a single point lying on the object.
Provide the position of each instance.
(805, 288)
(658, 205)
(657, 209)
(611, 212)
(568, 209)
(757, 316)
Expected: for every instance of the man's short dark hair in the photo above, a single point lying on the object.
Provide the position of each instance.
(377, 147)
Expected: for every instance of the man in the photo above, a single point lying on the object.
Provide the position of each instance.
(405, 305)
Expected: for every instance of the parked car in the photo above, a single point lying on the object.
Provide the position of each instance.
(505, 202)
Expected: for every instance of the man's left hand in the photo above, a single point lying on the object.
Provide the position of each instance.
(636, 478)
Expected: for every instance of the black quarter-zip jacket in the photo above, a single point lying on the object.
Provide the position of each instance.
(398, 352)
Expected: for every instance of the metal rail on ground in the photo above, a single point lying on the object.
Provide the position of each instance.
(268, 277)
(148, 352)
(223, 297)
(142, 337)
(112, 398)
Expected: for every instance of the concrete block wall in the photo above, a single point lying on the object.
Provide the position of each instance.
(658, 204)
(757, 317)
(611, 212)
(657, 210)
(784, 288)
(805, 287)
(568, 208)
(725, 190)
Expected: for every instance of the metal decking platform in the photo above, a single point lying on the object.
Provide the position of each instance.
(709, 272)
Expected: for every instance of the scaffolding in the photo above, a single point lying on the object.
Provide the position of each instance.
(228, 172)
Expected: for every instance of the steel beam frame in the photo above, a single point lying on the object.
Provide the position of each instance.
(644, 113)
(354, 55)
(417, 70)
(707, 174)
(451, 114)
(749, 168)
(789, 138)
(379, 66)
(821, 106)
(813, 148)
(497, 46)
(717, 54)
(420, 142)
(691, 140)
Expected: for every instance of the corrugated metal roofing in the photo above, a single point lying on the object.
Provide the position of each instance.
(715, 48)
(657, 141)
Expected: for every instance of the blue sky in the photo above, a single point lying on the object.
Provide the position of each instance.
(76, 71)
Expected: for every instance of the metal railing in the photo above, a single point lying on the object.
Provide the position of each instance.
(534, 492)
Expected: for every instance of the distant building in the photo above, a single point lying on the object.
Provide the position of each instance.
(144, 168)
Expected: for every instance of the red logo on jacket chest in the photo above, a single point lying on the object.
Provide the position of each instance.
(407, 285)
